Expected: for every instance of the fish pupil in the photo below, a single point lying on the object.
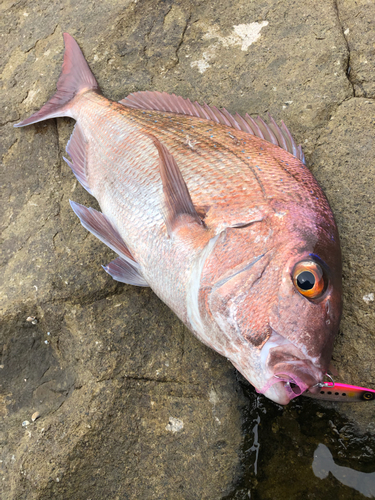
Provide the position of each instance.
(306, 280)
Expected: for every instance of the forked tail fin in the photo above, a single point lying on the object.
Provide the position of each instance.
(76, 78)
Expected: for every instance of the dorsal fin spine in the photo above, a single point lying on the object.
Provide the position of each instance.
(244, 125)
(267, 132)
(278, 133)
(289, 135)
(253, 124)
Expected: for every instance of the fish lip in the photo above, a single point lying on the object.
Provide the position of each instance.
(289, 372)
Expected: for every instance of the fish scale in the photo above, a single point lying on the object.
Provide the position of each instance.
(229, 229)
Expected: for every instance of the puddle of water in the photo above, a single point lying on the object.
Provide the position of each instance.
(323, 464)
(303, 451)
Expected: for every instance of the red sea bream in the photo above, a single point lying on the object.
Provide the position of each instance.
(218, 215)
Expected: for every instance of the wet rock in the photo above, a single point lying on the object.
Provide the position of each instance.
(117, 367)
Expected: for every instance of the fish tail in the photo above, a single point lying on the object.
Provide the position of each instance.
(75, 78)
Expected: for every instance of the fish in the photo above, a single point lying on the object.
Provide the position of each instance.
(218, 214)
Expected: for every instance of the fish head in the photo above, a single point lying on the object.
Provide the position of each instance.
(305, 319)
(278, 307)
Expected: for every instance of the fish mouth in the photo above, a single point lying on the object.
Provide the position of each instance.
(289, 372)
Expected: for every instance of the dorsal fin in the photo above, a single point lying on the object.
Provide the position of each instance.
(177, 197)
(162, 101)
(123, 271)
(100, 226)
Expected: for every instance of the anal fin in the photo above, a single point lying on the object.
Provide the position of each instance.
(77, 150)
(121, 270)
(100, 226)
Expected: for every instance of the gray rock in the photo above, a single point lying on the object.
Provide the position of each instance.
(356, 19)
(119, 367)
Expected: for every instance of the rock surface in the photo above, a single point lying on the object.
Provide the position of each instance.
(131, 405)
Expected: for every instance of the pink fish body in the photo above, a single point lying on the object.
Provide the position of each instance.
(229, 229)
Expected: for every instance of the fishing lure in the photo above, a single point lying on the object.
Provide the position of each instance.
(334, 391)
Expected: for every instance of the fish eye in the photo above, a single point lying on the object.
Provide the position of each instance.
(309, 279)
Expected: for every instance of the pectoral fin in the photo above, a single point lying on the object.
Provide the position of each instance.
(177, 197)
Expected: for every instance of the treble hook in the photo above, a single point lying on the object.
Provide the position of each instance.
(330, 383)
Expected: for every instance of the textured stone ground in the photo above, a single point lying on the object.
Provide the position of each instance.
(109, 368)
